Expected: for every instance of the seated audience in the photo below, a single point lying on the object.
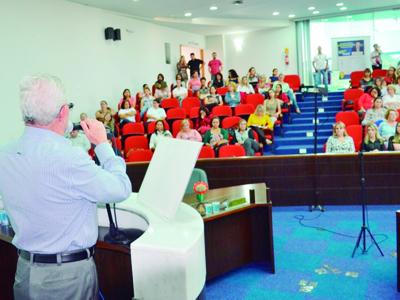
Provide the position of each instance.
(287, 90)
(375, 113)
(275, 75)
(394, 141)
(397, 86)
(216, 136)
(391, 75)
(194, 83)
(103, 110)
(212, 99)
(179, 92)
(83, 116)
(146, 101)
(126, 114)
(161, 88)
(366, 100)
(156, 112)
(260, 121)
(219, 81)
(340, 141)
(373, 141)
(203, 91)
(139, 95)
(252, 78)
(380, 83)
(272, 106)
(158, 134)
(391, 100)
(178, 77)
(109, 123)
(203, 121)
(186, 133)
(281, 95)
(367, 79)
(245, 87)
(244, 136)
(233, 76)
(388, 126)
(79, 139)
(126, 95)
(182, 69)
(232, 97)
(263, 86)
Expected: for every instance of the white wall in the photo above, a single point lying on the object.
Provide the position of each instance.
(262, 49)
(67, 40)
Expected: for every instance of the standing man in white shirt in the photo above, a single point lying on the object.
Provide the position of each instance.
(54, 215)
(320, 64)
(376, 57)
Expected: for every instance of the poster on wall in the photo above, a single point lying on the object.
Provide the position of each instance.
(350, 54)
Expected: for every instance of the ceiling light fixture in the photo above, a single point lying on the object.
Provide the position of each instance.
(188, 14)
(275, 13)
(315, 12)
(340, 4)
(343, 8)
(311, 8)
(213, 7)
(237, 2)
(291, 16)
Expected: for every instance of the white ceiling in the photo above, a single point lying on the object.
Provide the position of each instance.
(249, 16)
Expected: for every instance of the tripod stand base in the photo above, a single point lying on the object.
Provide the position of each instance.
(362, 235)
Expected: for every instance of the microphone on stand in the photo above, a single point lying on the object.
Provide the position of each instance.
(115, 235)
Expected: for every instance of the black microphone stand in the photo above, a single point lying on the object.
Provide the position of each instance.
(115, 235)
(364, 228)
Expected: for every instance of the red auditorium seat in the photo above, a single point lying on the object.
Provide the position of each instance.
(294, 81)
(222, 111)
(118, 144)
(348, 118)
(176, 126)
(177, 113)
(244, 110)
(350, 99)
(207, 152)
(379, 73)
(231, 151)
(355, 78)
(222, 90)
(169, 103)
(136, 142)
(189, 102)
(255, 99)
(230, 122)
(151, 127)
(153, 89)
(141, 155)
(356, 132)
(133, 129)
(194, 113)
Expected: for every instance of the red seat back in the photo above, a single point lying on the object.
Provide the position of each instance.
(348, 118)
(136, 142)
(222, 90)
(194, 113)
(356, 132)
(133, 128)
(379, 73)
(206, 152)
(151, 127)
(231, 151)
(230, 122)
(355, 78)
(190, 102)
(244, 110)
(351, 95)
(222, 111)
(255, 99)
(141, 155)
(177, 113)
(169, 103)
(176, 126)
(294, 81)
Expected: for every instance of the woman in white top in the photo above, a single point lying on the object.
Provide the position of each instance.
(340, 141)
(391, 100)
(158, 134)
(245, 87)
(126, 113)
(156, 112)
(179, 92)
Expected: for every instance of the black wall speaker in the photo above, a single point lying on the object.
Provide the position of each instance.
(117, 34)
(109, 33)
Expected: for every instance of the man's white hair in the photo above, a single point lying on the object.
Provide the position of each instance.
(42, 97)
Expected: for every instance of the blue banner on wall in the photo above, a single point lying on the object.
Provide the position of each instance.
(350, 48)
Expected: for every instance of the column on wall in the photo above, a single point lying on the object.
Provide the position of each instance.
(304, 62)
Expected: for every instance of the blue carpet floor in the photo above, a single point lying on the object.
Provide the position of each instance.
(315, 263)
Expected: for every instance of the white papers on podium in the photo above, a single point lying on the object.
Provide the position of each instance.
(167, 176)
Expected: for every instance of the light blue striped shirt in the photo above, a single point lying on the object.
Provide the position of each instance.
(50, 190)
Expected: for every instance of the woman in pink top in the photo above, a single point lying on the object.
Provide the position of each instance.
(187, 133)
(366, 101)
(126, 95)
(194, 83)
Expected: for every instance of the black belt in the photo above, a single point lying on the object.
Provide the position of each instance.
(52, 258)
